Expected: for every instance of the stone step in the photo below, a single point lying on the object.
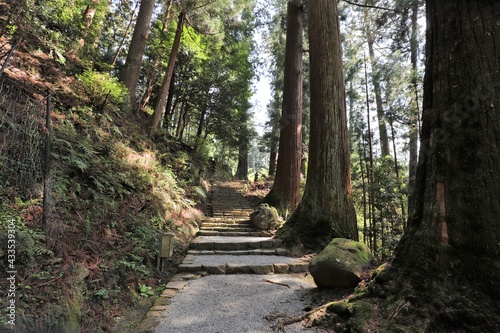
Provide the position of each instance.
(230, 243)
(226, 225)
(225, 221)
(230, 228)
(229, 233)
(217, 213)
(257, 252)
(256, 264)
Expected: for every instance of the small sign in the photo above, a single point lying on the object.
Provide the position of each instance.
(167, 244)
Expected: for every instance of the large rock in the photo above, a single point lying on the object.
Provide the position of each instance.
(265, 218)
(340, 264)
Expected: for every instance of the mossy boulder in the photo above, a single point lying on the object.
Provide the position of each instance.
(340, 264)
(266, 217)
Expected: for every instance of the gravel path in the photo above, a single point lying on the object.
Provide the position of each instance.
(236, 304)
(233, 303)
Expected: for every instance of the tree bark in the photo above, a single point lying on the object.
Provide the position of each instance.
(201, 122)
(326, 209)
(370, 170)
(87, 19)
(242, 168)
(132, 70)
(180, 121)
(155, 62)
(445, 274)
(414, 108)
(162, 96)
(285, 193)
(273, 154)
(170, 105)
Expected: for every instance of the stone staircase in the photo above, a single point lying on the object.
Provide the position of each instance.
(228, 244)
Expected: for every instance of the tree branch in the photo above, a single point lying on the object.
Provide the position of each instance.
(370, 6)
(204, 5)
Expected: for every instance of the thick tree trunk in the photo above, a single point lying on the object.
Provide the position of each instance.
(326, 209)
(285, 193)
(162, 96)
(132, 70)
(273, 154)
(445, 274)
(414, 108)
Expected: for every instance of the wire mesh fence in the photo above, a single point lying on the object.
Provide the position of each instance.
(23, 141)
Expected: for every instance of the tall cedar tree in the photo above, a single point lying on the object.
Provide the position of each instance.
(445, 275)
(326, 209)
(162, 96)
(377, 89)
(414, 108)
(132, 70)
(285, 193)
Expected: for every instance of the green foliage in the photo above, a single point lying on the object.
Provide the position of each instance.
(102, 293)
(102, 88)
(387, 223)
(145, 290)
(30, 242)
(133, 263)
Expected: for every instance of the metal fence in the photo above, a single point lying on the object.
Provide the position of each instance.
(24, 141)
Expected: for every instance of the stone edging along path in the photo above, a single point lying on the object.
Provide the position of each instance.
(226, 244)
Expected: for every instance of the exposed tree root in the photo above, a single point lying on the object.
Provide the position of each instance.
(284, 320)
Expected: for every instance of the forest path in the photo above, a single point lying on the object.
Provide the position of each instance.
(234, 279)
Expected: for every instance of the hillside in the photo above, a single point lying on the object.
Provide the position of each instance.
(113, 189)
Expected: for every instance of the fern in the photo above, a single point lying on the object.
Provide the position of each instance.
(79, 163)
(42, 251)
(200, 192)
(87, 149)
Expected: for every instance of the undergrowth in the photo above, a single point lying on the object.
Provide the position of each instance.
(113, 191)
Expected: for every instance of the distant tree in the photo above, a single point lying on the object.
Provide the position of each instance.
(155, 55)
(273, 137)
(207, 18)
(326, 209)
(88, 17)
(242, 167)
(445, 275)
(275, 45)
(285, 193)
(162, 96)
(125, 36)
(376, 81)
